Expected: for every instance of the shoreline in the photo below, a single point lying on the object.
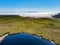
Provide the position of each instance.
(6, 34)
(2, 37)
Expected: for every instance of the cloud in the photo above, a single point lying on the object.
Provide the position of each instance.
(28, 13)
(38, 14)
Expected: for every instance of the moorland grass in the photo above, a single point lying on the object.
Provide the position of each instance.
(45, 27)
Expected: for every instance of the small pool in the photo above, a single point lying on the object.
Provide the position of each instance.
(24, 39)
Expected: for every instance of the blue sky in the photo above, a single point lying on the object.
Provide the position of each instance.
(42, 5)
(47, 4)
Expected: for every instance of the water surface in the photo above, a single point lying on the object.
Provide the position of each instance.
(24, 39)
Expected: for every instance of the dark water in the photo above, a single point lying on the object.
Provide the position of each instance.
(24, 39)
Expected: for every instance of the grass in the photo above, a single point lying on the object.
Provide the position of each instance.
(45, 27)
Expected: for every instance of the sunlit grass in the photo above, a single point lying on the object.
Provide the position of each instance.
(48, 28)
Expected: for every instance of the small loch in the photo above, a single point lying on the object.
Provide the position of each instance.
(24, 39)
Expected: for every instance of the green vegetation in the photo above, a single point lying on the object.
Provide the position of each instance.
(48, 28)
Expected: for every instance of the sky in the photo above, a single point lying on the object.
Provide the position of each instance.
(17, 6)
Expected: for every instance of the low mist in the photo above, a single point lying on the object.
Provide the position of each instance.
(38, 14)
(31, 14)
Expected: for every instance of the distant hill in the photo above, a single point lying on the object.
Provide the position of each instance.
(57, 15)
(46, 27)
(9, 15)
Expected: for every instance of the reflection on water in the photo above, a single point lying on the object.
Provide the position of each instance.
(24, 39)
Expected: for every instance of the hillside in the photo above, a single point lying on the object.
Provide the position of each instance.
(45, 27)
(57, 15)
